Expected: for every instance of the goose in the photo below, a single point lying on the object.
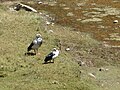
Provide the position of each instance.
(35, 44)
(52, 55)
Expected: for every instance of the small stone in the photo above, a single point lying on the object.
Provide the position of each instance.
(2, 66)
(40, 13)
(115, 21)
(103, 69)
(67, 49)
(55, 82)
(81, 63)
(102, 84)
(48, 23)
(106, 69)
(50, 31)
(66, 8)
(52, 24)
(40, 2)
(92, 75)
(70, 14)
(78, 19)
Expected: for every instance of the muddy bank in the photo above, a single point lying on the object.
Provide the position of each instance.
(96, 17)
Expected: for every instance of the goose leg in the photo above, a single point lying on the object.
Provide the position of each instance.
(53, 60)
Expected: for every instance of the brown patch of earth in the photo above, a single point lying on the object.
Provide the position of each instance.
(90, 16)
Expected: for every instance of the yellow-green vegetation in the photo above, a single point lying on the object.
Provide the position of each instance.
(21, 72)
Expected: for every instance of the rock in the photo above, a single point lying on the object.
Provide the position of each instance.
(106, 69)
(2, 66)
(52, 24)
(102, 84)
(115, 21)
(47, 15)
(78, 19)
(66, 8)
(81, 63)
(48, 23)
(40, 2)
(50, 31)
(55, 82)
(67, 49)
(40, 13)
(70, 14)
(92, 75)
(103, 69)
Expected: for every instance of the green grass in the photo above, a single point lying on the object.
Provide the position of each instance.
(27, 72)
(20, 72)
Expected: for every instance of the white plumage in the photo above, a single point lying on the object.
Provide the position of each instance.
(52, 55)
(55, 52)
(35, 44)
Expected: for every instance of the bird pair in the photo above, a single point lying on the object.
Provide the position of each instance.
(36, 43)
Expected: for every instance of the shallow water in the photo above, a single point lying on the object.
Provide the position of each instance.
(92, 16)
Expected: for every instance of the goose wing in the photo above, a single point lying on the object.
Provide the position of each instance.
(30, 46)
(49, 56)
(34, 42)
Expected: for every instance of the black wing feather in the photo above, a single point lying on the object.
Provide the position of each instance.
(49, 57)
(30, 46)
(40, 43)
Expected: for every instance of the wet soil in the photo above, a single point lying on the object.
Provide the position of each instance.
(91, 16)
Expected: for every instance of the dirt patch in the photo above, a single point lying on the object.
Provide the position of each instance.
(95, 13)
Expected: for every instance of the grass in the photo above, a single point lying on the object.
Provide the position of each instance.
(20, 72)
(28, 72)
